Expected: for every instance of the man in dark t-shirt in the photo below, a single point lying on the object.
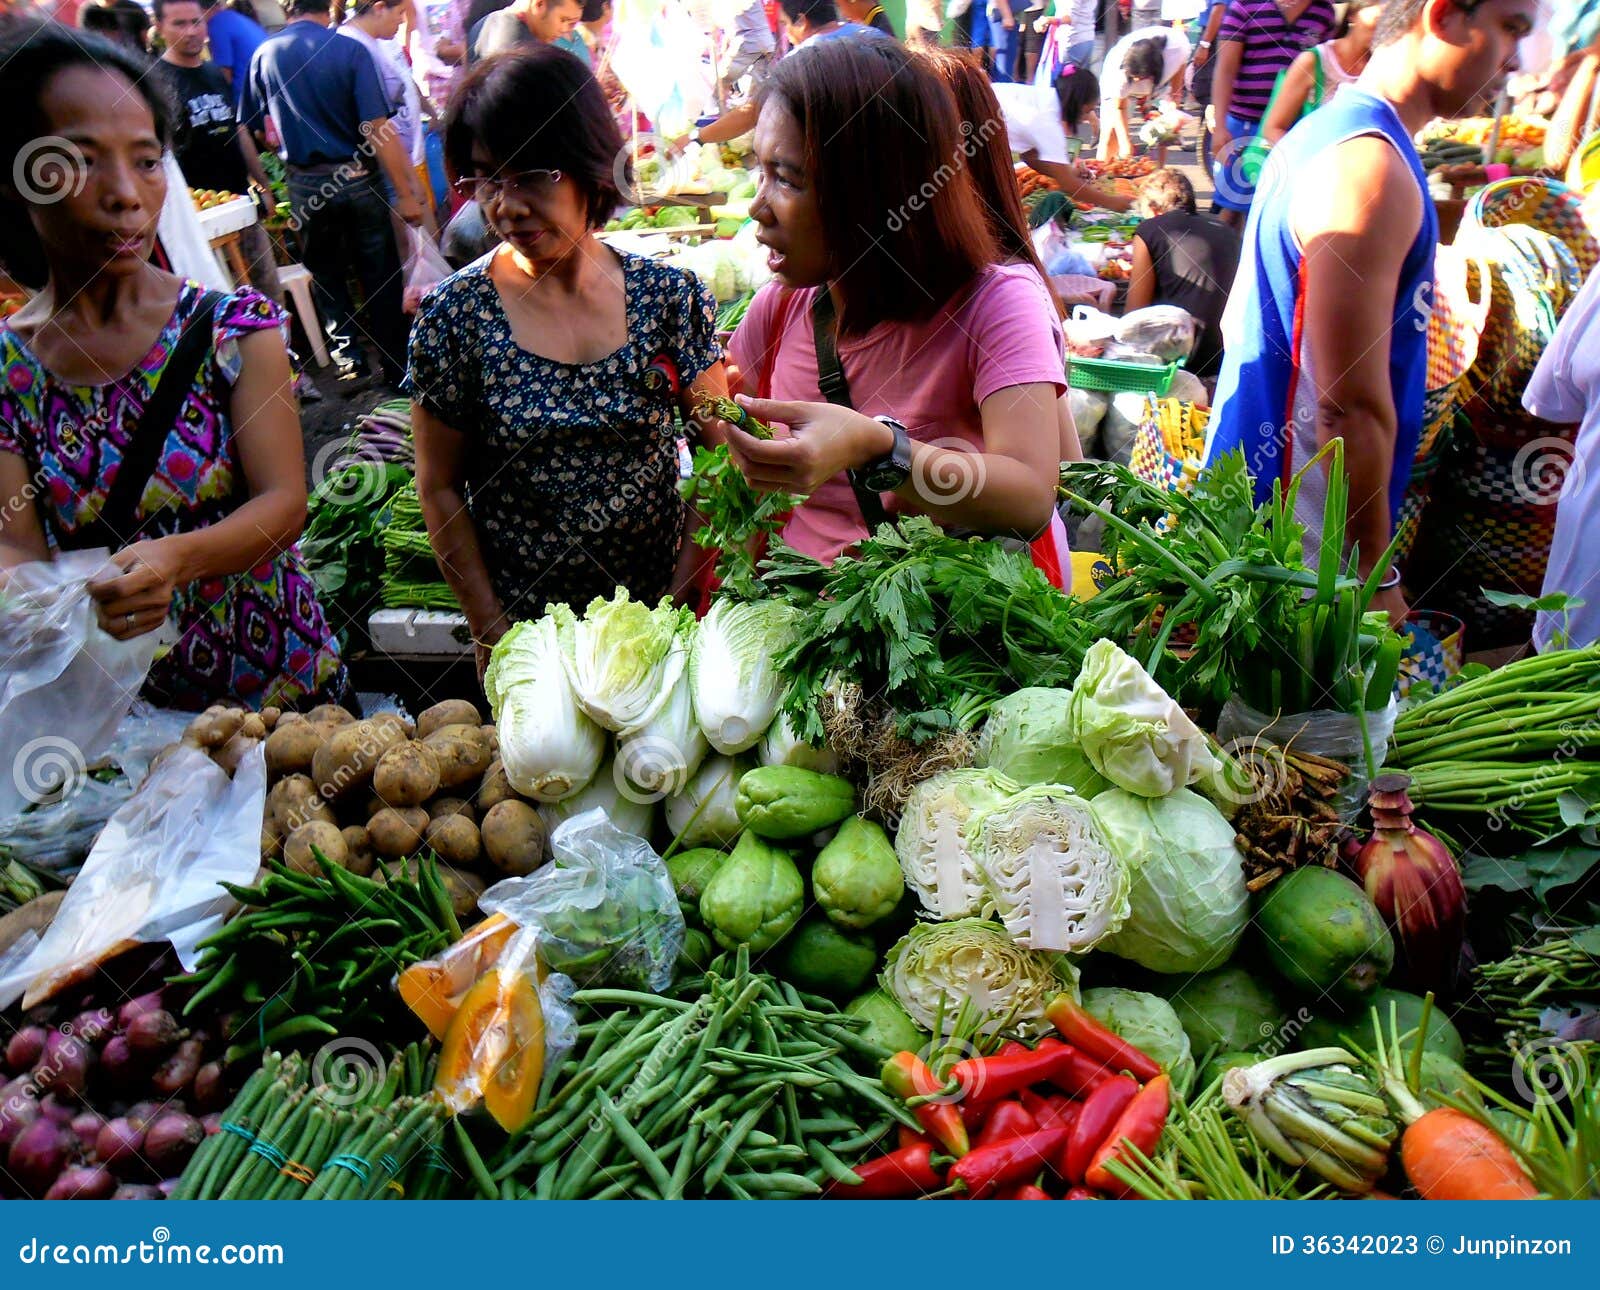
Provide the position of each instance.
(523, 22)
(212, 150)
(1185, 259)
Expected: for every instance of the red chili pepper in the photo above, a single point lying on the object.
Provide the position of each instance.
(985, 1080)
(1081, 1193)
(1101, 1111)
(1140, 1124)
(1106, 1047)
(907, 1172)
(1079, 1076)
(1028, 1191)
(987, 1170)
(1037, 1103)
(909, 1137)
(1010, 1048)
(1060, 1112)
(906, 1076)
(1008, 1120)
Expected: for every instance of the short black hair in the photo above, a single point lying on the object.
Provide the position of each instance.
(1146, 59)
(1077, 91)
(34, 54)
(592, 9)
(159, 7)
(124, 19)
(293, 7)
(819, 13)
(540, 108)
(1400, 16)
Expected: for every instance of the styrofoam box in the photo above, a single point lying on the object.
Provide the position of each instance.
(420, 633)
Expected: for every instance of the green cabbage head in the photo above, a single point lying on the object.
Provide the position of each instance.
(1028, 736)
(1148, 1022)
(936, 970)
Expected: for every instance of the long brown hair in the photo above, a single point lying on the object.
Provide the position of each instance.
(988, 150)
(904, 225)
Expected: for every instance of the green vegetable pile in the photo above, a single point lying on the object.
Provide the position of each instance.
(735, 515)
(739, 1087)
(411, 577)
(343, 544)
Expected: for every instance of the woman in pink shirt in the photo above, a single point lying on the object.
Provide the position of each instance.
(953, 359)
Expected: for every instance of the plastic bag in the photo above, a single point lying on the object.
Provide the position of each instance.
(1088, 408)
(425, 267)
(605, 911)
(1088, 331)
(1166, 331)
(1120, 426)
(1337, 735)
(65, 684)
(154, 873)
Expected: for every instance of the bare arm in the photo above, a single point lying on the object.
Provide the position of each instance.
(1208, 37)
(1075, 185)
(1230, 57)
(386, 143)
(1142, 285)
(22, 537)
(711, 383)
(266, 429)
(731, 124)
(1291, 100)
(1357, 218)
(252, 161)
(1071, 446)
(1567, 125)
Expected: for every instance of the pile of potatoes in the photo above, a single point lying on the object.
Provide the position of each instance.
(369, 793)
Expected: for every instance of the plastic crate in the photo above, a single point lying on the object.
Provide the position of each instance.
(1113, 377)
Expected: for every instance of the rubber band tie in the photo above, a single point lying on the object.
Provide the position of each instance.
(228, 1126)
(268, 1152)
(355, 1164)
(299, 1173)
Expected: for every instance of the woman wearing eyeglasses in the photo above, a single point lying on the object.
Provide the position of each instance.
(545, 376)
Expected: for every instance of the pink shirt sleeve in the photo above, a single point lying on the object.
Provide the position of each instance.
(751, 337)
(1015, 334)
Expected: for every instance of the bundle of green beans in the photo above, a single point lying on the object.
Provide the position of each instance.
(741, 1087)
(410, 575)
(314, 957)
(1511, 743)
(1551, 975)
(285, 1139)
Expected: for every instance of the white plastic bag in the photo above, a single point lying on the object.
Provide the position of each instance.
(154, 874)
(1166, 331)
(1337, 735)
(425, 268)
(65, 684)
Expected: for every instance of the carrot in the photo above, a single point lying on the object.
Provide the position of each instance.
(1450, 1156)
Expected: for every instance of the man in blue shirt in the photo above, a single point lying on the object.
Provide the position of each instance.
(233, 38)
(325, 98)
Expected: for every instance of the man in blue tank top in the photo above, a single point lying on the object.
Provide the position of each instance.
(1327, 326)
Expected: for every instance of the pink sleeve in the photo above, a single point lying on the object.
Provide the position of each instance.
(1015, 335)
(751, 337)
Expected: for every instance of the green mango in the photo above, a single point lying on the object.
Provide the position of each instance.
(824, 959)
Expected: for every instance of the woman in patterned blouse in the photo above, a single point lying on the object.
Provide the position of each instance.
(205, 547)
(546, 377)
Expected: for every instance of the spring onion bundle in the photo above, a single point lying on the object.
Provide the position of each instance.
(410, 574)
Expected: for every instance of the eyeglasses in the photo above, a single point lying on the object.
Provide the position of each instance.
(534, 184)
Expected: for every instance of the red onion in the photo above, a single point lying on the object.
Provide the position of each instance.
(118, 1147)
(82, 1182)
(212, 1123)
(92, 1025)
(86, 1126)
(25, 1048)
(121, 1069)
(138, 1191)
(210, 1088)
(179, 1070)
(39, 1155)
(141, 1113)
(153, 1033)
(171, 1140)
(167, 1186)
(138, 1007)
(19, 1107)
(64, 1068)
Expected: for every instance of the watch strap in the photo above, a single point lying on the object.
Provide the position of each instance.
(836, 389)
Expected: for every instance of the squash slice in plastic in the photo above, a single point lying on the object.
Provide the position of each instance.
(494, 1049)
(434, 988)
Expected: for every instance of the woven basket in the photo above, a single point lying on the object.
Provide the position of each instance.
(1520, 324)
(1583, 172)
(1170, 443)
(1544, 204)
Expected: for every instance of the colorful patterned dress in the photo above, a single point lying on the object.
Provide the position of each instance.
(257, 636)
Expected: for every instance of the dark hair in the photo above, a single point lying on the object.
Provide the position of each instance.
(538, 108)
(1400, 16)
(819, 13)
(1077, 91)
(159, 7)
(119, 20)
(988, 152)
(33, 54)
(1146, 59)
(295, 7)
(902, 221)
(592, 9)
(1167, 190)
(481, 9)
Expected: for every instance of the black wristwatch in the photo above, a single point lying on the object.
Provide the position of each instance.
(889, 472)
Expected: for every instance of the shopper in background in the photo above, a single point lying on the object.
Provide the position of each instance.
(1326, 331)
(523, 22)
(1183, 258)
(324, 95)
(924, 21)
(1003, 40)
(949, 357)
(1258, 40)
(547, 459)
(373, 24)
(200, 506)
(751, 48)
(867, 12)
(1566, 388)
(1323, 70)
(233, 39)
(1039, 119)
(123, 21)
(1146, 64)
(212, 148)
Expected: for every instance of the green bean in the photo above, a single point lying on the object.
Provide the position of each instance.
(777, 1184)
(474, 1161)
(730, 1144)
(831, 1164)
(685, 1162)
(630, 998)
(631, 1139)
(582, 1163)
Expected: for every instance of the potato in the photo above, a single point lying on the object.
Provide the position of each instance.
(514, 838)
(463, 889)
(496, 788)
(269, 718)
(325, 837)
(234, 751)
(463, 754)
(329, 714)
(454, 838)
(442, 806)
(452, 712)
(391, 720)
(358, 844)
(373, 805)
(292, 745)
(344, 764)
(253, 726)
(397, 830)
(271, 840)
(406, 775)
(294, 801)
(492, 738)
(216, 725)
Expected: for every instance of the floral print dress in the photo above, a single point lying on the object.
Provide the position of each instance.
(572, 468)
(257, 636)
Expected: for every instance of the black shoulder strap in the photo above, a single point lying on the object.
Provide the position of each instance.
(834, 387)
(117, 521)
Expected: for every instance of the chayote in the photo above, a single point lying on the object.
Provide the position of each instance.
(691, 871)
(857, 877)
(786, 802)
(824, 959)
(754, 898)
